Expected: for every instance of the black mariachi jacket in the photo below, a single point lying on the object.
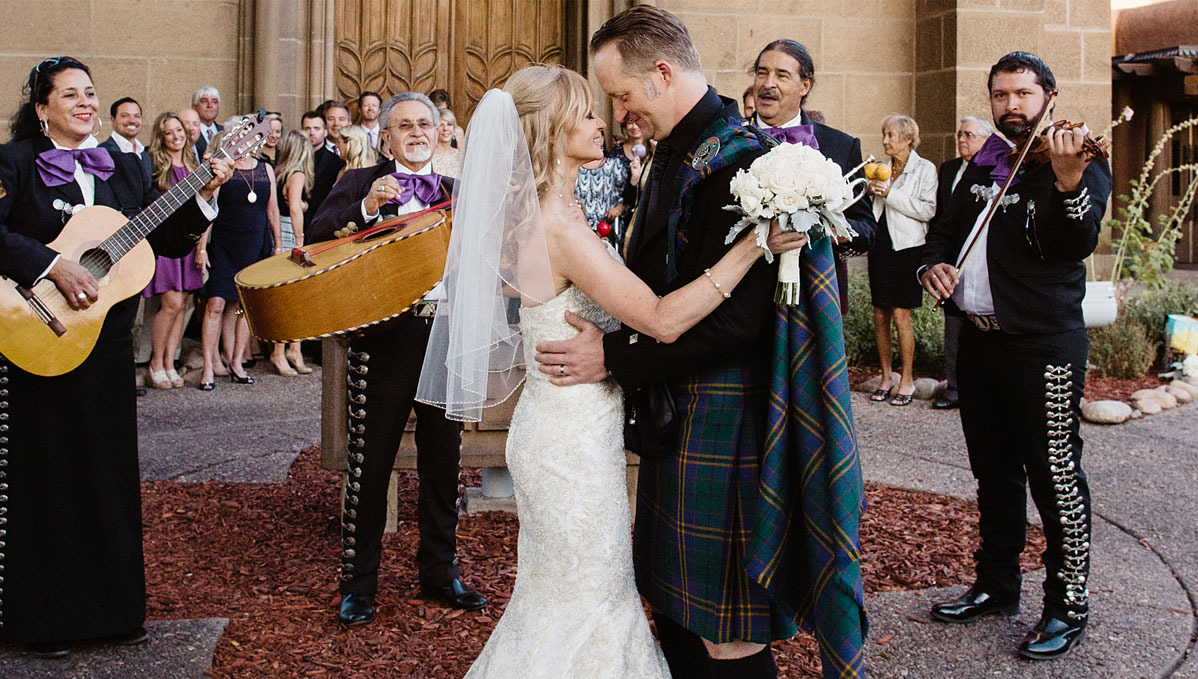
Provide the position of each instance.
(1036, 244)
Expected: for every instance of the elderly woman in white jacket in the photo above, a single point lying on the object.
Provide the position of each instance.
(903, 206)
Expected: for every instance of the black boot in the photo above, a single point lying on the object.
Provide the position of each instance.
(684, 650)
(760, 665)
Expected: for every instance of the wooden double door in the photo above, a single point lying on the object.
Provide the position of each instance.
(463, 46)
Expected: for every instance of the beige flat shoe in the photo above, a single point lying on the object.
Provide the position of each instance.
(159, 380)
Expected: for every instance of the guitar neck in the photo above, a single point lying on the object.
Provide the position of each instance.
(136, 229)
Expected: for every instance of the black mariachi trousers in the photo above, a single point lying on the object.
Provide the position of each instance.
(384, 370)
(1020, 401)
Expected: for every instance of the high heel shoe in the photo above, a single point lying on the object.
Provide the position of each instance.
(284, 369)
(173, 376)
(245, 379)
(300, 366)
(158, 379)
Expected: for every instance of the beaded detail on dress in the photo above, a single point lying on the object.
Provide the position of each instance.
(574, 611)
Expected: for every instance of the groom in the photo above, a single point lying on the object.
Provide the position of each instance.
(694, 510)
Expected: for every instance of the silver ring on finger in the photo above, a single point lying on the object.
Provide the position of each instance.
(561, 370)
(81, 296)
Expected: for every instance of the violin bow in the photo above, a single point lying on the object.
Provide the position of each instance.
(997, 200)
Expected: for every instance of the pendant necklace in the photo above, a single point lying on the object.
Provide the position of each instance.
(251, 196)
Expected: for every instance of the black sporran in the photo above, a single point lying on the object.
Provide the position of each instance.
(651, 421)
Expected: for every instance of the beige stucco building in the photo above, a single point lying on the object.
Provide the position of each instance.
(926, 58)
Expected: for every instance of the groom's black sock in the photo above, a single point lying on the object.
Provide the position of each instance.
(684, 650)
(760, 665)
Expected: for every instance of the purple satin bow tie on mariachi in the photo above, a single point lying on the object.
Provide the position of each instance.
(57, 166)
(798, 134)
(426, 187)
(995, 154)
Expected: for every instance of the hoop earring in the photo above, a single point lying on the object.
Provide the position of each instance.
(98, 126)
(44, 126)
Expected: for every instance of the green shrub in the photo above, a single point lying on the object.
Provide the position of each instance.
(1152, 309)
(861, 347)
(1122, 350)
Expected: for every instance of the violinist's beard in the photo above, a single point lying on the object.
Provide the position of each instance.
(1015, 128)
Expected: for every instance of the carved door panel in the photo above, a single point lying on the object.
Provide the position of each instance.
(463, 46)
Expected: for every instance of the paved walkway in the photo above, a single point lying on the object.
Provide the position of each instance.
(1144, 477)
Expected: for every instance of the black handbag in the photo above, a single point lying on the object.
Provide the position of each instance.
(651, 421)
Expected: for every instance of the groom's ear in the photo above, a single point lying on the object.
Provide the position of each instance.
(664, 70)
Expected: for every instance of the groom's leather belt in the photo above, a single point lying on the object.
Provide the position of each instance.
(424, 309)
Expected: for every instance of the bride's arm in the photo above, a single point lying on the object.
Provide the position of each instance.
(580, 256)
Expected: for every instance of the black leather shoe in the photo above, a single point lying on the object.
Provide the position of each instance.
(137, 636)
(944, 404)
(48, 649)
(457, 594)
(974, 604)
(356, 609)
(1051, 638)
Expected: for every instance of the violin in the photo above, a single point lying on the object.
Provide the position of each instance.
(1093, 148)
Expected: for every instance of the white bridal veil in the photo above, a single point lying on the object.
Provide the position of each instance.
(497, 263)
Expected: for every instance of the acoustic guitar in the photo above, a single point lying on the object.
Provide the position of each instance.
(39, 331)
(343, 286)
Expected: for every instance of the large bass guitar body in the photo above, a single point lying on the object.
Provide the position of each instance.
(40, 331)
(345, 286)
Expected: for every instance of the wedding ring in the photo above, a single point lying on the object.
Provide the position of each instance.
(561, 370)
(378, 189)
(80, 296)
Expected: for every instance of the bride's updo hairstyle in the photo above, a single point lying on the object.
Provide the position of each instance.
(551, 101)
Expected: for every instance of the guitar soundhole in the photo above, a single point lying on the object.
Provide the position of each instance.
(97, 262)
(379, 234)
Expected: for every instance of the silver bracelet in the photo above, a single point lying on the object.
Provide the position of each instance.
(718, 287)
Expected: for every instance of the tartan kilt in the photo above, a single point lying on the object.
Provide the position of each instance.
(696, 511)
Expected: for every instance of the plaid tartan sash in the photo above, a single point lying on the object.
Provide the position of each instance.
(805, 547)
(733, 140)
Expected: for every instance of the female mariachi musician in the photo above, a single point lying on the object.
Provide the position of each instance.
(70, 511)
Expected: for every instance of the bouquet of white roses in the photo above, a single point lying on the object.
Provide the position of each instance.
(801, 189)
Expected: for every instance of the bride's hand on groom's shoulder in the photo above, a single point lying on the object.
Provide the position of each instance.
(578, 360)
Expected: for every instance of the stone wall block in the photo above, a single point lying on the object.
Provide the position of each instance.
(871, 97)
(755, 31)
(828, 97)
(1062, 51)
(929, 44)
(1056, 12)
(1096, 57)
(1025, 5)
(715, 36)
(1090, 14)
(935, 108)
(164, 28)
(881, 46)
(983, 37)
(894, 9)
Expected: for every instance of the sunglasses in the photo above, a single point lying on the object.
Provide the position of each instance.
(42, 68)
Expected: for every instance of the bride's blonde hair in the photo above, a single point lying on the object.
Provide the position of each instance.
(551, 101)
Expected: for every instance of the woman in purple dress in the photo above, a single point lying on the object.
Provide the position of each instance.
(174, 278)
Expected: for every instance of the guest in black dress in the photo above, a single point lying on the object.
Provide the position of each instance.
(70, 505)
(903, 206)
(246, 231)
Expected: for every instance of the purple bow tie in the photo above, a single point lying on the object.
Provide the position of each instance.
(996, 154)
(426, 187)
(57, 166)
(798, 134)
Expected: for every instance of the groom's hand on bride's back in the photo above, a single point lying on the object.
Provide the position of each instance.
(580, 358)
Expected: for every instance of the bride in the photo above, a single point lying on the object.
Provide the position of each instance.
(521, 254)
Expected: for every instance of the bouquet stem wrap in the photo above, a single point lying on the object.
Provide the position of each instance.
(787, 291)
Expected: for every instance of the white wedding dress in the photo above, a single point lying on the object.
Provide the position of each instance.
(574, 611)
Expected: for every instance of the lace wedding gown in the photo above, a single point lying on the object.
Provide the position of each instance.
(574, 611)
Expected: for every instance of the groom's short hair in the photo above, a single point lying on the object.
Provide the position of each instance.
(642, 35)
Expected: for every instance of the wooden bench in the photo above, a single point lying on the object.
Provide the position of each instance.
(482, 442)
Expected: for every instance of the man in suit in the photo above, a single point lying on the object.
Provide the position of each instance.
(783, 76)
(336, 116)
(369, 107)
(384, 369)
(1022, 358)
(206, 103)
(125, 115)
(971, 133)
(326, 165)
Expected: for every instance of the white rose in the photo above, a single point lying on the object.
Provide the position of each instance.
(742, 183)
(751, 204)
(788, 202)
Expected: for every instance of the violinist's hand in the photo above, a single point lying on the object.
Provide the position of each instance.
(940, 280)
(1068, 161)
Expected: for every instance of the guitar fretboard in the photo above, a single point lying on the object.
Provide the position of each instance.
(136, 229)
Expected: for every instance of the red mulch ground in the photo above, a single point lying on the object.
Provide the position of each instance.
(1097, 388)
(266, 556)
